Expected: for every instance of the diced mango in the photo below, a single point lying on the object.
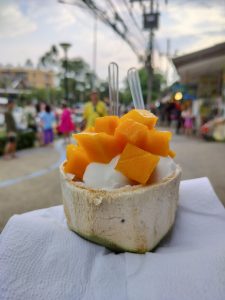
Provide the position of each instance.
(70, 151)
(158, 142)
(77, 161)
(90, 129)
(100, 147)
(171, 153)
(136, 163)
(130, 131)
(106, 124)
(141, 116)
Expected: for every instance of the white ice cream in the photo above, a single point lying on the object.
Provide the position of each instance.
(165, 167)
(104, 176)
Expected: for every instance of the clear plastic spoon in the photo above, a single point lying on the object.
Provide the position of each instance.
(135, 88)
(113, 74)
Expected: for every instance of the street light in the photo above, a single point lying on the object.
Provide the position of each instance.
(65, 47)
(178, 96)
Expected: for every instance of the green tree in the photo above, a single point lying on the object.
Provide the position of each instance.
(104, 89)
(50, 59)
(52, 96)
(28, 63)
(79, 78)
(158, 80)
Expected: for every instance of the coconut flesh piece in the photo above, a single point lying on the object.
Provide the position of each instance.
(104, 176)
(131, 218)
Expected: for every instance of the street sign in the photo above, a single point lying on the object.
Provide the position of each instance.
(151, 20)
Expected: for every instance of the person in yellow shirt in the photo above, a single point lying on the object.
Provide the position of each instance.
(94, 109)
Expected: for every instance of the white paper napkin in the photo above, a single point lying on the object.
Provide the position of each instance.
(40, 258)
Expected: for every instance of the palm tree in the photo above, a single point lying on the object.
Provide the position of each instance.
(50, 59)
(29, 63)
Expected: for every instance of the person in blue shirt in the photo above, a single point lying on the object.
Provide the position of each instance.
(47, 120)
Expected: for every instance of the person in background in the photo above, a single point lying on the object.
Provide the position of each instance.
(178, 117)
(38, 123)
(66, 125)
(10, 148)
(29, 112)
(93, 109)
(47, 120)
(188, 121)
(162, 113)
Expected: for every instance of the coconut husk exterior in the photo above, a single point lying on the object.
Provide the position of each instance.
(132, 218)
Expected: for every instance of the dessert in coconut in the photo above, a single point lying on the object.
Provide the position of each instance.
(120, 183)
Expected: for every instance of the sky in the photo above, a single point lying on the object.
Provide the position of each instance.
(29, 28)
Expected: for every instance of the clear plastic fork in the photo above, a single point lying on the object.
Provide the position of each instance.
(113, 77)
(135, 88)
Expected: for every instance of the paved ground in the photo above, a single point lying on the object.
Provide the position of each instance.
(32, 182)
(28, 162)
(199, 158)
(29, 182)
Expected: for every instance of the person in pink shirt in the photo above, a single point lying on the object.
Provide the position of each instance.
(188, 121)
(66, 126)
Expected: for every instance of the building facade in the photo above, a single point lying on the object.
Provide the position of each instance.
(204, 72)
(25, 78)
(203, 75)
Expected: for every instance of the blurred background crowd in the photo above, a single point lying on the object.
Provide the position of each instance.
(35, 117)
(54, 58)
(181, 66)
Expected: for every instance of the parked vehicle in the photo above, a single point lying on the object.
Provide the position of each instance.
(214, 129)
(2, 119)
(77, 115)
(3, 102)
(20, 118)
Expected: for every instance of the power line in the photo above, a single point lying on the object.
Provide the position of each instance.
(92, 7)
(134, 28)
(117, 13)
(134, 25)
(132, 16)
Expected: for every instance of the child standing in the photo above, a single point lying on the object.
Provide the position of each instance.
(66, 125)
(188, 121)
(11, 129)
(48, 120)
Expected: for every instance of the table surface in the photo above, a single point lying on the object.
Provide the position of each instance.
(40, 258)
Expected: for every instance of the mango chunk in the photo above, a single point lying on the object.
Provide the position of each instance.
(99, 147)
(130, 131)
(90, 129)
(77, 161)
(136, 163)
(70, 151)
(158, 142)
(106, 124)
(141, 116)
(171, 153)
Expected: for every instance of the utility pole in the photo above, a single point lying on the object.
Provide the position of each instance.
(168, 60)
(65, 47)
(150, 59)
(150, 23)
(94, 50)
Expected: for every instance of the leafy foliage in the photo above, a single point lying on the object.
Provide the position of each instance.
(158, 80)
(81, 80)
(25, 139)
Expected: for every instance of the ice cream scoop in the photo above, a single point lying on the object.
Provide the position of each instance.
(104, 176)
